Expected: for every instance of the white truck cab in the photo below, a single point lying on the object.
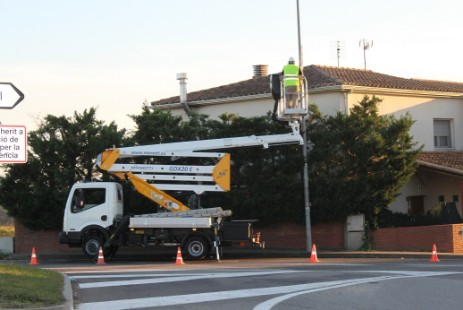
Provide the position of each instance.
(91, 207)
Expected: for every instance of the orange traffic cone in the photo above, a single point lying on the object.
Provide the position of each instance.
(34, 260)
(434, 254)
(100, 260)
(179, 260)
(313, 255)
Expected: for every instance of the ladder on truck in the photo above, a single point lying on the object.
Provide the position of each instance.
(200, 218)
(209, 212)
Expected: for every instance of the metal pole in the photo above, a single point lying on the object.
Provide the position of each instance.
(308, 225)
(364, 55)
(299, 36)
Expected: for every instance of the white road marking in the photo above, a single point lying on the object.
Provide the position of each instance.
(269, 304)
(289, 291)
(180, 278)
(215, 296)
(136, 275)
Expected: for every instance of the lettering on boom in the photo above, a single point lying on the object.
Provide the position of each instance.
(13, 144)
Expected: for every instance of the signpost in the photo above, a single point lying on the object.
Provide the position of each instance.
(13, 138)
(10, 96)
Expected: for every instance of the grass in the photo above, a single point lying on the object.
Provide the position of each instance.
(7, 231)
(28, 287)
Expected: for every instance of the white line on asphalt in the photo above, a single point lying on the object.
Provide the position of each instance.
(413, 273)
(135, 275)
(178, 279)
(269, 304)
(289, 291)
(215, 296)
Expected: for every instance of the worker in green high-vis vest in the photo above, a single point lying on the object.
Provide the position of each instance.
(291, 83)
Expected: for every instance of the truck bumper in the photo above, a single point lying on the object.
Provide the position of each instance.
(63, 237)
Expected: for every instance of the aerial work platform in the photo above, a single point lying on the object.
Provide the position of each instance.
(282, 111)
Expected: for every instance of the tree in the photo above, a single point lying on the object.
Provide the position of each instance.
(156, 126)
(360, 161)
(61, 151)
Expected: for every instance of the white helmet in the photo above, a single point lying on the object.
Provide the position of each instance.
(291, 60)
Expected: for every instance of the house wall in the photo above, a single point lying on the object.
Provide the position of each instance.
(423, 109)
(248, 108)
(330, 103)
(243, 108)
(431, 185)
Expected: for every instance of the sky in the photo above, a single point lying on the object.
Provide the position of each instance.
(68, 56)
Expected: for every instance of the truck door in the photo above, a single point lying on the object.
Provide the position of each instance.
(89, 206)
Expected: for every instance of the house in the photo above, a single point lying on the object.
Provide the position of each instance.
(436, 107)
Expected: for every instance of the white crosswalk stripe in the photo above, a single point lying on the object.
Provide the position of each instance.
(177, 278)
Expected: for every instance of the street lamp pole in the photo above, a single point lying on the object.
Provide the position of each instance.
(308, 225)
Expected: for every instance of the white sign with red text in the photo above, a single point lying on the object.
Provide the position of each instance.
(13, 144)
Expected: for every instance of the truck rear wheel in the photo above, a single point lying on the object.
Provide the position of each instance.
(91, 246)
(196, 248)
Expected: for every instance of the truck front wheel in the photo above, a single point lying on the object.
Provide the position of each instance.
(91, 246)
(196, 248)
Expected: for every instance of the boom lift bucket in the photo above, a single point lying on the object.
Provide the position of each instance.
(281, 110)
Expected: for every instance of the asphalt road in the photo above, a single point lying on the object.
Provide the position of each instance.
(268, 283)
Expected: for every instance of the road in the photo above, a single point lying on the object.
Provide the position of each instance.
(277, 283)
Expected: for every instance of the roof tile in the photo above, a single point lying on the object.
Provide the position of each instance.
(317, 77)
(446, 159)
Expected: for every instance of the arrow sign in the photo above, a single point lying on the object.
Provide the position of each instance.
(10, 96)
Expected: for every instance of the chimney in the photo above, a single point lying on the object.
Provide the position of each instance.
(183, 94)
(259, 71)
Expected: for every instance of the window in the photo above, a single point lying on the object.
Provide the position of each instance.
(87, 198)
(442, 133)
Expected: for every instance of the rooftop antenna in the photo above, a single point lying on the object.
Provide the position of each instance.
(366, 44)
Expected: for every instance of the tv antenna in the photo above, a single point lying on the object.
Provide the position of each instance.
(339, 48)
(366, 44)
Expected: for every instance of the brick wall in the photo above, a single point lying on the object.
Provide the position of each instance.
(42, 240)
(285, 236)
(447, 238)
(293, 236)
(458, 238)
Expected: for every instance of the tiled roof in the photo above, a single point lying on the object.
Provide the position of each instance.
(453, 160)
(250, 87)
(320, 76)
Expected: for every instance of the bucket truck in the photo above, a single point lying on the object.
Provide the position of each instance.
(94, 213)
